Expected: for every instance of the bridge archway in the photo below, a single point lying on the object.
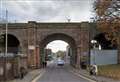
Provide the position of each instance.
(12, 43)
(59, 36)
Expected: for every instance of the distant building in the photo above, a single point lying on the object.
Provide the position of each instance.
(48, 52)
(68, 53)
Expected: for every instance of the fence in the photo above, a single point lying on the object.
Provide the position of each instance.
(103, 57)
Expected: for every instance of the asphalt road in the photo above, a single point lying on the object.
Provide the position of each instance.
(56, 73)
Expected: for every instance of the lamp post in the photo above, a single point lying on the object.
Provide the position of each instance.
(6, 42)
(6, 45)
(94, 42)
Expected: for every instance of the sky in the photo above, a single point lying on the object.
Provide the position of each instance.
(57, 45)
(46, 10)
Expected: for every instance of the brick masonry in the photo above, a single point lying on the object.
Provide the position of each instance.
(40, 34)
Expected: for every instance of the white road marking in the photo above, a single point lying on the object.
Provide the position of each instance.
(83, 77)
(41, 74)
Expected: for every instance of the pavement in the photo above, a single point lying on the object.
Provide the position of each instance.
(54, 73)
(29, 77)
(85, 73)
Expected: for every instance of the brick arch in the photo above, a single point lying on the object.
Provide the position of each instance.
(33, 33)
(13, 43)
(21, 35)
(60, 36)
(57, 36)
(15, 35)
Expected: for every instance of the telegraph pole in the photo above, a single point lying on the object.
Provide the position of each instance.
(6, 38)
(6, 45)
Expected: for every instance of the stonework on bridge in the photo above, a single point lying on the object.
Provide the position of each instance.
(33, 38)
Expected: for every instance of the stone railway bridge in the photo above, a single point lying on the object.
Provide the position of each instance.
(31, 38)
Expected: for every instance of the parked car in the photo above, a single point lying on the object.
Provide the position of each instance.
(60, 62)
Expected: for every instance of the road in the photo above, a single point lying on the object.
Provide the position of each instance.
(56, 73)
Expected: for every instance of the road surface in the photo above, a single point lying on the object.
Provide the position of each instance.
(56, 73)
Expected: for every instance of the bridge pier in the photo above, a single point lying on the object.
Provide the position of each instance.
(34, 57)
(78, 58)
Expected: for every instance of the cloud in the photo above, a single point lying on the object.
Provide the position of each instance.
(57, 45)
(48, 10)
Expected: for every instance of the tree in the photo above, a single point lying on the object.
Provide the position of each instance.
(60, 54)
(107, 16)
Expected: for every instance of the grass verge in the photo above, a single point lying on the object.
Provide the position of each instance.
(111, 71)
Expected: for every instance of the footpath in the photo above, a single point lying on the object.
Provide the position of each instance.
(86, 74)
(34, 73)
(29, 77)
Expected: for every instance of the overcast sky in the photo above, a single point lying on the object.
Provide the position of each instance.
(57, 45)
(47, 10)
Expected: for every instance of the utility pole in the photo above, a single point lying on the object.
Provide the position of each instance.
(6, 45)
(6, 38)
(1, 10)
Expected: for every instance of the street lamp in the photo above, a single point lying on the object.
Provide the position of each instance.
(6, 38)
(93, 42)
(6, 44)
(94, 46)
